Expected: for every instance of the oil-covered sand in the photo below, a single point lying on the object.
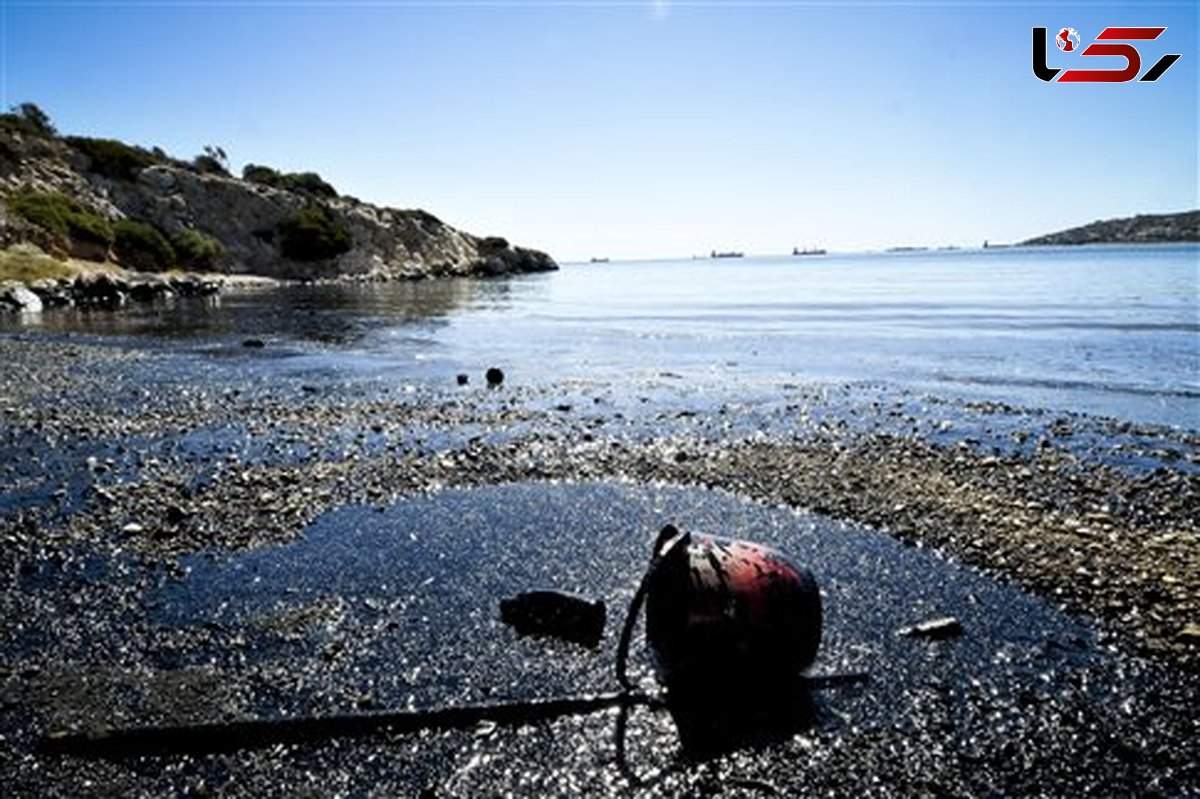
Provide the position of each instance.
(205, 543)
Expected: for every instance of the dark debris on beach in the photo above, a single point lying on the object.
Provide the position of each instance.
(104, 477)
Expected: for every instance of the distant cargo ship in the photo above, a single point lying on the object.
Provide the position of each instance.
(807, 251)
(730, 254)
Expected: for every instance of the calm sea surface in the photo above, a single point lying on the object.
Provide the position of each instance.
(1104, 330)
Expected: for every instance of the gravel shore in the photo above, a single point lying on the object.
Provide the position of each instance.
(1096, 516)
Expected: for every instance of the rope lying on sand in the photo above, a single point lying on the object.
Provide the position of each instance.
(232, 736)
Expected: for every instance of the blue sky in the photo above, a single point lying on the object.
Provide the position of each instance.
(642, 129)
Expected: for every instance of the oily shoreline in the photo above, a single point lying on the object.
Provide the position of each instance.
(1114, 545)
(132, 473)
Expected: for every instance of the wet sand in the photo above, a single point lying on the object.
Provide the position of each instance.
(113, 484)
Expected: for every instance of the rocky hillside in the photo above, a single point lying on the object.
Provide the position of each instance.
(1142, 229)
(105, 200)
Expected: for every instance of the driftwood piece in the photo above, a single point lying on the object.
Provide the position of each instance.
(935, 629)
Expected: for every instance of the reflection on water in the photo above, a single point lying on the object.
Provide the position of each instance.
(335, 314)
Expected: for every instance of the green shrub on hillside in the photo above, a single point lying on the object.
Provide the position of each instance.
(62, 216)
(213, 161)
(11, 123)
(85, 225)
(141, 246)
(195, 250)
(256, 173)
(112, 158)
(27, 118)
(313, 235)
(207, 165)
(309, 183)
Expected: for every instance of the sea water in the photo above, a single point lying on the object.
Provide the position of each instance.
(1105, 330)
(1108, 330)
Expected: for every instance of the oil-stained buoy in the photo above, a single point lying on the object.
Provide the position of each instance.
(720, 610)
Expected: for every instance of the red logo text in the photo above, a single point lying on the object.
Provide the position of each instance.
(1110, 42)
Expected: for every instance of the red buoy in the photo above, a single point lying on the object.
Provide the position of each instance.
(721, 610)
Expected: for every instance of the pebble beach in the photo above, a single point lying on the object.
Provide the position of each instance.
(107, 473)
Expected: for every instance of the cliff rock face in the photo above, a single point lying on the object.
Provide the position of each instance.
(247, 219)
(1142, 229)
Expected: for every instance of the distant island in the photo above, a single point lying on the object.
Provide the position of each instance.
(1141, 229)
(125, 206)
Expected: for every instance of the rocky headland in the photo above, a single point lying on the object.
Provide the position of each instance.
(1140, 229)
(101, 201)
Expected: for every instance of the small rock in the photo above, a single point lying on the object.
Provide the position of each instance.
(133, 528)
(936, 629)
(254, 343)
(463, 379)
(45, 289)
(177, 514)
(157, 177)
(147, 288)
(190, 285)
(16, 297)
(557, 614)
(100, 290)
(494, 377)
(1190, 634)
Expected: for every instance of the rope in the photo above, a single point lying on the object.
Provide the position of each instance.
(669, 539)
